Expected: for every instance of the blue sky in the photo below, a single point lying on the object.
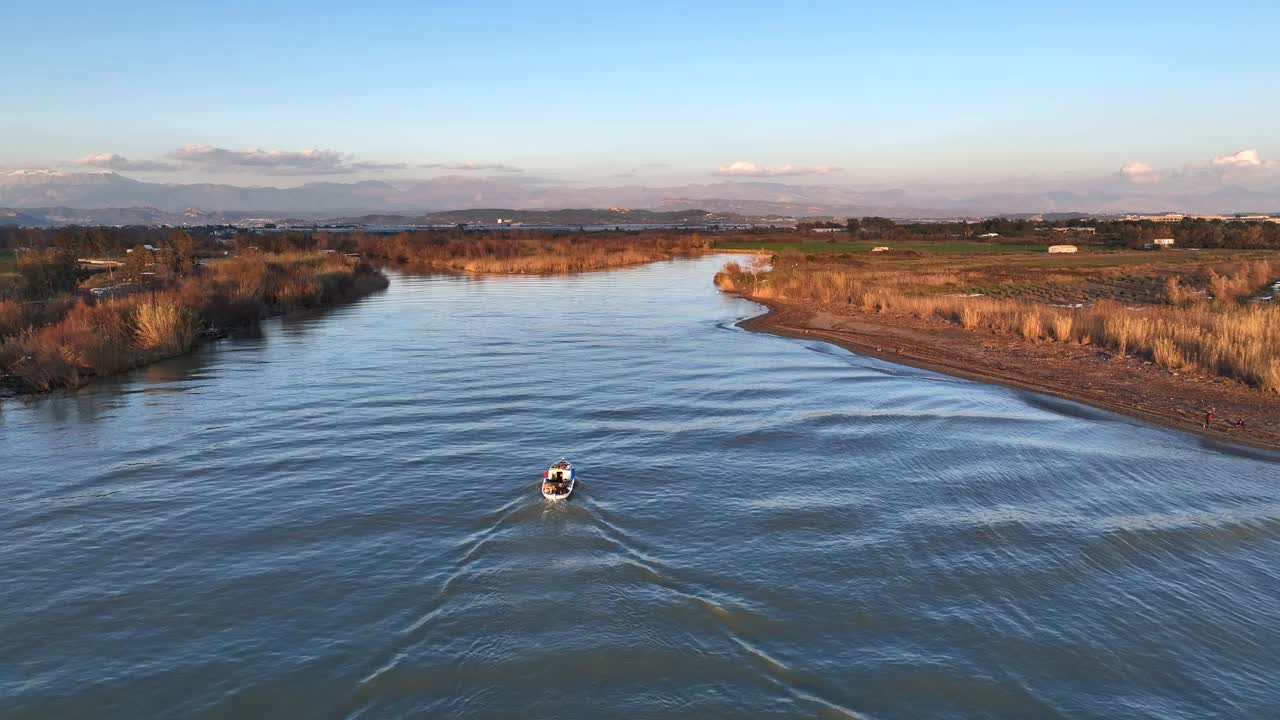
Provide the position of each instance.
(654, 93)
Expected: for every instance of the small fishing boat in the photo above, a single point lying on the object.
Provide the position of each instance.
(558, 480)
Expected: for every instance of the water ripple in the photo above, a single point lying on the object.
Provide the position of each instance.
(340, 517)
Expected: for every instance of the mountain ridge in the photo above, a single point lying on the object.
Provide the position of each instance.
(109, 190)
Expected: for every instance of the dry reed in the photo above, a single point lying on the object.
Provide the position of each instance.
(99, 337)
(165, 327)
(527, 253)
(1227, 338)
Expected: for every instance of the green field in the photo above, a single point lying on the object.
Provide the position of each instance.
(952, 248)
(8, 262)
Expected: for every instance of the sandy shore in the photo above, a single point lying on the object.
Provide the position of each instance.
(1080, 373)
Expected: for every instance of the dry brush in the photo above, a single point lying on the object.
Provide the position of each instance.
(1225, 336)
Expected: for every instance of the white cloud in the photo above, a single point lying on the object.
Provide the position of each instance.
(112, 161)
(474, 166)
(1243, 158)
(371, 165)
(749, 169)
(1139, 172)
(278, 162)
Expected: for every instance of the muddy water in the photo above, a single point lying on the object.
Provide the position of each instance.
(340, 518)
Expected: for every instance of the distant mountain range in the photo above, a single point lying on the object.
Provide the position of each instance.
(61, 216)
(55, 216)
(32, 189)
(106, 197)
(569, 216)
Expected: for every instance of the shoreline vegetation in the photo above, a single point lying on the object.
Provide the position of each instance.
(1160, 336)
(527, 252)
(71, 337)
(1163, 336)
(64, 321)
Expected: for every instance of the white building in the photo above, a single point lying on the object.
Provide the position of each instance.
(1164, 217)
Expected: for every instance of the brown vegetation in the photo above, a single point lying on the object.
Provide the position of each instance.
(99, 337)
(1197, 320)
(527, 252)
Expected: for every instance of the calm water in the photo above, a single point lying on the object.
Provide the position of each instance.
(340, 519)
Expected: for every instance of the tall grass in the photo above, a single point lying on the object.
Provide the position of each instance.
(520, 252)
(165, 327)
(1224, 337)
(100, 337)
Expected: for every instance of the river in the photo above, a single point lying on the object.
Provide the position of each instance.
(339, 518)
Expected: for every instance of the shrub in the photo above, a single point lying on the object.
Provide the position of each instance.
(67, 340)
(46, 273)
(1174, 293)
(165, 327)
(12, 319)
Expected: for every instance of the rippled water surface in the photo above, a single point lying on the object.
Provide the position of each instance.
(340, 518)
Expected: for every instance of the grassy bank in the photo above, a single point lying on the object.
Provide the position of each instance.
(1192, 316)
(525, 252)
(67, 340)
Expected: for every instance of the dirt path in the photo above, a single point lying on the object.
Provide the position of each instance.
(1081, 373)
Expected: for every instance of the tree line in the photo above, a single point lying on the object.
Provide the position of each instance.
(88, 242)
(51, 269)
(1189, 232)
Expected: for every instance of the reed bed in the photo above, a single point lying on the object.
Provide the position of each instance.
(1222, 336)
(105, 336)
(165, 327)
(520, 253)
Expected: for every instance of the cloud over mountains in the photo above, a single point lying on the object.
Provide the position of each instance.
(315, 161)
(1243, 167)
(1240, 181)
(112, 161)
(1243, 158)
(747, 168)
(469, 166)
(278, 162)
(1197, 192)
(1139, 172)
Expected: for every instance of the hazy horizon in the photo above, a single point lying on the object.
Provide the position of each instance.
(932, 101)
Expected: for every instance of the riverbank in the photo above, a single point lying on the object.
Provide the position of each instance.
(1081, 373)
(526, 253)
(94, 337)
